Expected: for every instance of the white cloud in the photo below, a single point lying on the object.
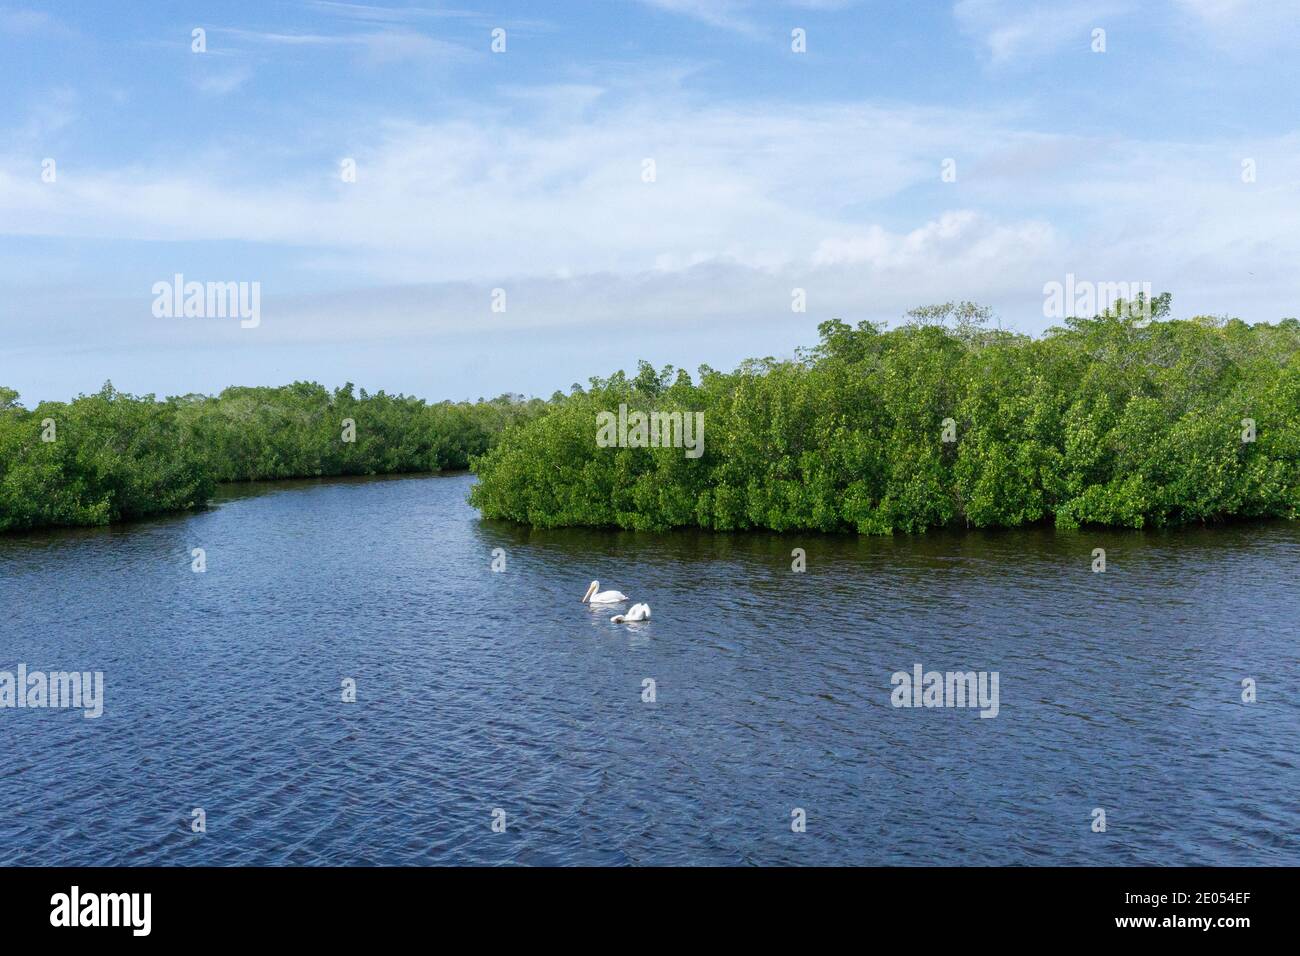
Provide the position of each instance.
(381, 14)
(748, 203)
(485, 196)
(223, 82)
(741, 16)
(1218, 10)
(1243, 26)
(386, 45)
(33, 23)
(726, 14)
(959, 238)
(49, 112)
(1015, 30)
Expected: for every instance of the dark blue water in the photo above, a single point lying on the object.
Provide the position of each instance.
(480, 690)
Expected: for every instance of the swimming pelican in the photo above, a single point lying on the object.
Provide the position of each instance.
(595, 595)
(637, 612)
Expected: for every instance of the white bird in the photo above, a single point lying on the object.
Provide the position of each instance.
(637, 612)
(595, 595)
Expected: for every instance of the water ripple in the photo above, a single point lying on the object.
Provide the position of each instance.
(480, 692)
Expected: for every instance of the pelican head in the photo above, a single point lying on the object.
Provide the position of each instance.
(596, 596)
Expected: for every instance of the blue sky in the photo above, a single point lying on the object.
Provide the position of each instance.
(523, 171)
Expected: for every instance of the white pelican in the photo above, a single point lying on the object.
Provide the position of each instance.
(595, 595)
(637, 612)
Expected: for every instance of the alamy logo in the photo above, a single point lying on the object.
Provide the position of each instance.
(1083, 299)
(652, 430)
(951, 689)
(134, 910)
(81, 690)
(179, 299)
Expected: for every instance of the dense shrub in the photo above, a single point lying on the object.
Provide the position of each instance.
(1111, 420)
(116, 456)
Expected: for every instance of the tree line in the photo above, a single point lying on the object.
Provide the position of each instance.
(111, 456)
(943, 420)
(1128, 418)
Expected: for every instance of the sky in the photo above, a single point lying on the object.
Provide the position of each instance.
(630, 179)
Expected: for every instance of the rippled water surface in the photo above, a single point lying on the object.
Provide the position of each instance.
(481, 690)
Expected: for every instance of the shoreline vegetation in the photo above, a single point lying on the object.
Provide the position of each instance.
(942, 421)
(1128, 419)
(112, 457)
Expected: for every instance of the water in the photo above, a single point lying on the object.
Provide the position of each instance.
(480, 690)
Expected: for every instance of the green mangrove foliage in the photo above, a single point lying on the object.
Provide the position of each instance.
(1111, 420)
(98, 459)
(110, 456)
(302, 430)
